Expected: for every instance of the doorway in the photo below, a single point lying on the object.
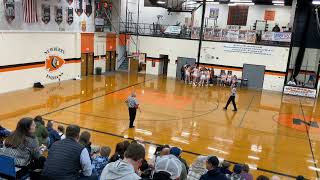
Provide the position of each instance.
(87, 64)
(254, 74)
(165, 61)
(181, 61)
(110, 61)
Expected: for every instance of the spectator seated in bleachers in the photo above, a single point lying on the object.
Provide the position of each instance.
(245, 173)
(4, 133)
(85, 140)
(53, 134)
(119, 152)
(177, 152)
(167, 167)
(197, 168)
(67, 159)
(213, 170)
(42, 133)
(22, 145)
(61, 132)
(225, 168)
(236, 175)
(125, 169)
(101, 159)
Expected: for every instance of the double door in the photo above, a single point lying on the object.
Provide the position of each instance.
(87, 64)
(110, 61)
(183, 61)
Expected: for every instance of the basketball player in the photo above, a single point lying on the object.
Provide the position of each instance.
(133, 105)
(232, 98)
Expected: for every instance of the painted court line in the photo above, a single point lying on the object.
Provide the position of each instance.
(307, 130)
(96, 97)
(245, 113)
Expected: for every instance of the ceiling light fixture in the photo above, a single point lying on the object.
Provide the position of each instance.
(212, 2)
(161, 2)
(316, 2)
(278, 2)
(244, 4)
(241, 1)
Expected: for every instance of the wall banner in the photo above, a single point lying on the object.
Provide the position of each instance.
(300, 91)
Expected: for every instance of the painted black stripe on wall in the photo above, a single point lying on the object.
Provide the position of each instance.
(273, 45)
(99, 56)
(32, 63)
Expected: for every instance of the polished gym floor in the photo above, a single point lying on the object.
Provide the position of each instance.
(274, 134)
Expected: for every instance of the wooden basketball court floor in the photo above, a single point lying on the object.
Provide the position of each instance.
(274, 134)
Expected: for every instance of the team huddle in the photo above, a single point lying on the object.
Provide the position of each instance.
(202, 76)
(196, 75)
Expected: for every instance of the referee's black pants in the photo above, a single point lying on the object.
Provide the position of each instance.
(231, 99)
(132, 116)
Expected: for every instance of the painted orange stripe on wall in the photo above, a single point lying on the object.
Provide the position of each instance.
(275, 73)
(32, 66)
(73, 61)
(240, 69)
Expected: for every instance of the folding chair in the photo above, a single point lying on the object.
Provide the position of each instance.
(7, 167)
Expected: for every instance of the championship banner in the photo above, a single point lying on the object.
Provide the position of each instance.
(300, 91)
(70, 15)
(58, 12)
(88, 5)
(9, 10)
(70, 2)
(45, 13)
(78, 7)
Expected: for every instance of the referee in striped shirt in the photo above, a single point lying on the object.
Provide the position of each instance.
(133, 105)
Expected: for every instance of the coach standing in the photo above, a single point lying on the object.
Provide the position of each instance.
(133, 105)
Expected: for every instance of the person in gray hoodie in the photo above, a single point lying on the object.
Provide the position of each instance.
(127, 168)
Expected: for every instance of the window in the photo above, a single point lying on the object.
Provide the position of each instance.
(238, 15)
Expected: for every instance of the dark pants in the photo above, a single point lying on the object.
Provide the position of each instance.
(132, 115)
(231, 99)
(182, 75)
(29, 170)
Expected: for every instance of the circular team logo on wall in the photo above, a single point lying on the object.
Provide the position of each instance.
(54, 62)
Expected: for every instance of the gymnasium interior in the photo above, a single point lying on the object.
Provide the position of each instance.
(75, 62)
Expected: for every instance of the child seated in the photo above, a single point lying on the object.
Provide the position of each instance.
(4, 133)
(101, 159)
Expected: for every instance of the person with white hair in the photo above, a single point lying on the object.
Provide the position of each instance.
(167, 167)
(198, 168)
(133, 105)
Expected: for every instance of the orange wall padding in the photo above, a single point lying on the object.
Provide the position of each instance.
(122, 39)
(87, 42)
(111, 42)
